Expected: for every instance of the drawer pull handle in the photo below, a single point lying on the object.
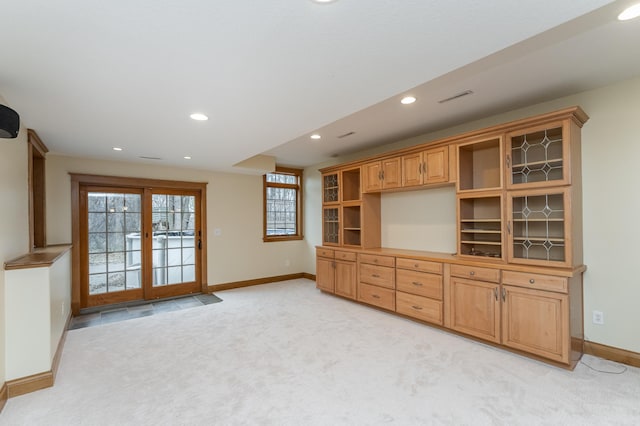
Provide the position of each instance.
(416, 283)
(472, 273)
(375, 275)
(504, 295)
(375, 296)
(532, 281)
(495, 293)
(417, 308)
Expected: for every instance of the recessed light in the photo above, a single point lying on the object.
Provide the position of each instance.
(408, 100)
(199, 117)
(630, 13)
(323, 1)
(115, 148)
(315, 136)
(186, 157)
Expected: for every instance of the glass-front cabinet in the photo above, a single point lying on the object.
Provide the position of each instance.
(538, 227)
(331, 225)
(539, 156)
(330, 188)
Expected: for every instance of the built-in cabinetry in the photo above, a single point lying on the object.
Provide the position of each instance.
(347, 213)
(516, 279)
(475, 301)
(377, 280)
(425, 167)
(419, 289)
(382, 174)
(337, 272)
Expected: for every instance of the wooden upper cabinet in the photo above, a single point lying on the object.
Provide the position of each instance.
(541, 156)
(426, 167)
(330, 188)
(382, 174)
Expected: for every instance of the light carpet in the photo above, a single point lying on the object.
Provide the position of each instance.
(286, 354)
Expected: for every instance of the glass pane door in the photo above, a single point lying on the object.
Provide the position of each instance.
(174, 239)
(114, 245)
(138, 243)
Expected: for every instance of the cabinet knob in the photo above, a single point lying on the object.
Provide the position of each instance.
(531, 281)
(472, 273)
(415, 265)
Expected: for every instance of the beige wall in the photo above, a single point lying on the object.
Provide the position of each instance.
(610, 153)
(14, 216)
(234, 205)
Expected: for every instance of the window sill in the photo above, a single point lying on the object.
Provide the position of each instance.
(273, 239)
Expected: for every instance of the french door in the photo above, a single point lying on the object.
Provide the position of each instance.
(138, 243)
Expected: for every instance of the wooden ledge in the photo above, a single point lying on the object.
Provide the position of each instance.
(40, 258)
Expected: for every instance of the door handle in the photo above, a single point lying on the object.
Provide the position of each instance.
(199, 244)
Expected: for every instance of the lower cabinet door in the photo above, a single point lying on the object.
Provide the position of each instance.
(345, 279)
(537, 322)
(475, 308)
(377, 296)
(325, 274)
(419, 307)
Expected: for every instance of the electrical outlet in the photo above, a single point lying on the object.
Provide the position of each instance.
(598, 317)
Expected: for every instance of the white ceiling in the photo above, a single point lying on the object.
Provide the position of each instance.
(89, 75)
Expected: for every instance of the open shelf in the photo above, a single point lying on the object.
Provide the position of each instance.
(351, 232)
(480, 227)
(351, 184)
(479, 165)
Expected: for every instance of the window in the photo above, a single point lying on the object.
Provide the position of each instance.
(282, 205)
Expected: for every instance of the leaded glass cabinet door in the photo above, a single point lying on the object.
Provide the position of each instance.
(539, 156)
(539, 227)
(330, 188)
(331, 226)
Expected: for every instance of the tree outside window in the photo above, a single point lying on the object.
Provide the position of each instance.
(282, 205)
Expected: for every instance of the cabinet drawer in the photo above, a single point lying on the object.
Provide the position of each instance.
(378, 260)
(419, 265)
(378, 296)
(345, 255)
(473, 273)
(378, 275)
(419, 307)
(324, 252)
(536, 281)
(420, 283)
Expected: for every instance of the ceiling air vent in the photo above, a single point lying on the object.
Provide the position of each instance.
(346, 134)
(459, 95)
(150, 158)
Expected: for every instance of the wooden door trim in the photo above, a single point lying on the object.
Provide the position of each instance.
(78, 179)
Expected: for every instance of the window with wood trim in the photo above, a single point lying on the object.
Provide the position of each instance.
(282, 205)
